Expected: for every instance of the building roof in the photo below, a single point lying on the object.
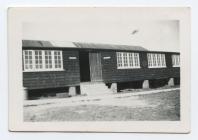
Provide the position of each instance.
(47, 44)
(80, 45)
(108, 46)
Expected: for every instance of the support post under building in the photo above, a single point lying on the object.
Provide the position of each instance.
(25, 93)
(145, 84)
(72, 91)
(171, 82)
(114, 87)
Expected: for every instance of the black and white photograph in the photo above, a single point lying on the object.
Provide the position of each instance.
(102, 81)
(100, 65)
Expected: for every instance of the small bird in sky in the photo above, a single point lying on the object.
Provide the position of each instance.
(134, 32)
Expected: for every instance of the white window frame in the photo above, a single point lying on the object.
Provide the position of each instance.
(24, 60)
(175, 60)
(48, 65)
(34, 69)
(126, 60)
(156, 60)
(38, 60)
(57, 60)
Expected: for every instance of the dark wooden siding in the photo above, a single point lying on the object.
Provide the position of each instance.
(51, 79)
(71, 73)
(112, 74)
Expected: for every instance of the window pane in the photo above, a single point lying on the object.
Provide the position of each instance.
(136, 59)
(38, 59)
(119, 59)
(175, 60)
(27, 60)
(131, 60)
(57, 59)
(163, 60)
(125, 59)
(48, 59)
(149, 59)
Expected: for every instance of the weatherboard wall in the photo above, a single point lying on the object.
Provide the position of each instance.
(70, 75)
(111, 74)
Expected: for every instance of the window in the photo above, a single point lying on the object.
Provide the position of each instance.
(127, 60)
(175, 60)
(42, 60)
(48, 59)
(57, 59)
(28, 62)
(156, 60)
(38, 60)
(119, 60)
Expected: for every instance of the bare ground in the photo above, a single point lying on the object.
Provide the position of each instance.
(164, 106)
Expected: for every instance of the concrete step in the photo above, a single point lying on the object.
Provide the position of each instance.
(93, 88)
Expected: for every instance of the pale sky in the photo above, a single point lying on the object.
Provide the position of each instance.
(156, 35)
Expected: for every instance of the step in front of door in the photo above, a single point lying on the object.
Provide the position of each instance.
(94, 88)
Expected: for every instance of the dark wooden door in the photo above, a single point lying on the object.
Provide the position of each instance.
(95, 66)
(84, 66)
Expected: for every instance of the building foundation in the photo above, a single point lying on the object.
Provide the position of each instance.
(114, 87)
(145, 84)
(25, 93)
(72, 91)
(171, 82)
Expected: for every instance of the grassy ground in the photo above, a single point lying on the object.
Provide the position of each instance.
(159, 106)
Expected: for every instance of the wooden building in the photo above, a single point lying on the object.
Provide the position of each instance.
(75, 67)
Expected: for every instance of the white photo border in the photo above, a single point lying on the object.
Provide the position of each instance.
(18, 15)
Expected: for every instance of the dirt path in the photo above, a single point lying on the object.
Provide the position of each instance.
(156, 106)
(87, 99)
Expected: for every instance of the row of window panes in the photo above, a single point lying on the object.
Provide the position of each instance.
(42, 60)
(156, 60)
(47, 60)
(128, 60)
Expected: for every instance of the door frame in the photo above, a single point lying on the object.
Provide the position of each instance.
(99, 66)
(82, 78)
